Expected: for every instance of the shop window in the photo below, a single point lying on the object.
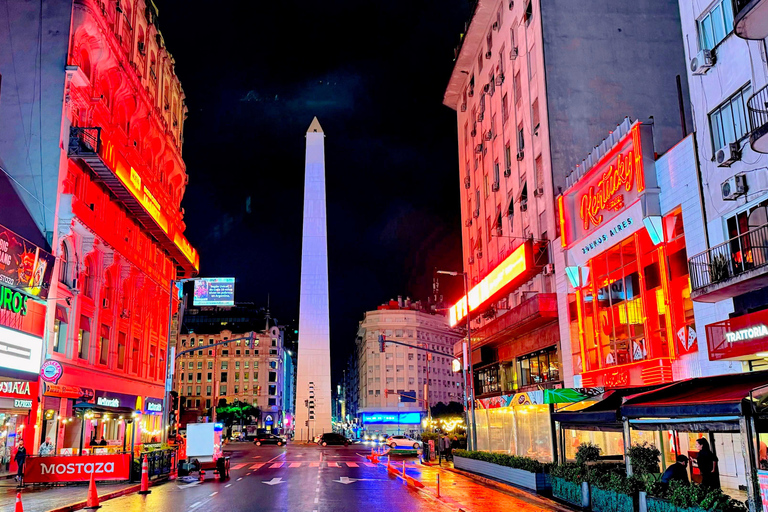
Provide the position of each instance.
(135, 356)
(60, 325)
(539, 367)
(84, 338)
(715, 24)
(104, 345)
(486, 380)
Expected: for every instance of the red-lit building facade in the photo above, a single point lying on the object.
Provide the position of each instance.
(118, 231)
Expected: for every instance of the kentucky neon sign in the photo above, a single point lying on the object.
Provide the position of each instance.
(606, 197)
(508, 270)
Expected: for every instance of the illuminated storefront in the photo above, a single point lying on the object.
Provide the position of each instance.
(630, 309)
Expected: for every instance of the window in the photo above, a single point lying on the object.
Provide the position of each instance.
(507, 157)
(539, 168)
(518, 85)
(520, 138)
(237, 376)
(528, 16)
(273, 401)
(715, 25)
(210, 365)
(486, 187)
(208, 390)
(120, 350)
(89, 278)
(504, 109)
(246, 375)
(224, 365)
(199, 376)
(223, 377)
(237, 365)
(60, 325)
(272, 390)
(84, 337)
(135, 356)
(728, 122)
(535, 114)
(104, 345)
(64, 265)
(539, 367)
(153, 362)
(272, 376)
(222, 389)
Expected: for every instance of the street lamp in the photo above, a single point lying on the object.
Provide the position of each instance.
(469, 386)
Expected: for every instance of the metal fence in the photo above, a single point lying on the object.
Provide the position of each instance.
(159, 463)
(84, 141)
(730, 259)
(757, 105)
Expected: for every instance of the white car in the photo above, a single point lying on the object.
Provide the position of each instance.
(403, 443)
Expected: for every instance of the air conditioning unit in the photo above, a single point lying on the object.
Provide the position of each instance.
(479, 148)
(467, 182)
(463, 107)
(701, 63)
(513, 53)
(507, 172)
(549, 269)
(105, 303)
(125, 314)
(488, 54)
(520, 156)
(488, 135)
(495, 186)
(75, 283)
(728, 154)
(499, 231)
(499, 79)
(734, 187)
(538, 192)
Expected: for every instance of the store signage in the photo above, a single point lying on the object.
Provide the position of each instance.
(740, 337)
(14, 388)
(107, 402)
(40, 470)
(13, 301)
(25, 404)
(611, 185)
(153, 406)
(20, 352)
(509, 272)
(23, 266)
(51, 371)
(63, 391)
(411, 418)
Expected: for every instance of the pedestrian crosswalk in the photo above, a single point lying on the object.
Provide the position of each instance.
(301, 464)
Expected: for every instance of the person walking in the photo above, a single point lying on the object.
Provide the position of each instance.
(707, 462)
(677, 471)
(447, 444)
(21, 459)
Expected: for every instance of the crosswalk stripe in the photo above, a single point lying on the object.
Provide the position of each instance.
(333, 465)
(276, 465)
(314, 464)
(370, 464)
(239, 466)
(295, 465)
(351, 464)
(256, 465)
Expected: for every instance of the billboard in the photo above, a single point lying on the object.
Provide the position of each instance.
(410, 418)
(23, 265)
(214, 291)
(20, 352)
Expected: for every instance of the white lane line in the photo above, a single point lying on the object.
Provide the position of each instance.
(214, 493)
(195, 505)
(247, 474)
(228, 485)
(239, 479)
(317, 499)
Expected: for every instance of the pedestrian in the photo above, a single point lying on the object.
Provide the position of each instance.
(676, 471)
(21, 459)
(447, 445)
(707, 462)
(46, 448)
(455, 445)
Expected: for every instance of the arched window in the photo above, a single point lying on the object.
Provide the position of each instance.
(109, 291)
(64, 264)
(89, 278)
(140, 43)
(85, 63)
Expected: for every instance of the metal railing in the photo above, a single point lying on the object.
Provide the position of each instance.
(757, 106)
(159, 463)
(84, 141)
(730, 259)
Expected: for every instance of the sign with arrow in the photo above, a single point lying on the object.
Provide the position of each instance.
(274, 481)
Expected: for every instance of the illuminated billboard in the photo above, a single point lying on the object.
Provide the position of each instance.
(214, 291)
(410, 418)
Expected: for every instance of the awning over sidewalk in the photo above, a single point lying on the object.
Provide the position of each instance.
(602, 416)
(702, 404)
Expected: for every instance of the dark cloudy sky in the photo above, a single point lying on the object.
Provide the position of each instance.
(255, 73)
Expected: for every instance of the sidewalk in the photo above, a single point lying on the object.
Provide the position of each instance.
(469, 494)
(42, 499)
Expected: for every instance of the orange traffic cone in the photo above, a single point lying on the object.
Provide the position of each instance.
(19, 506)
(144, 477)
(93, 495)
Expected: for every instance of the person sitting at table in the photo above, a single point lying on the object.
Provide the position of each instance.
(103, 441)
(676, 471)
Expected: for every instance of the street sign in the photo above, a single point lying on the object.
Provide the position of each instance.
(408, 396)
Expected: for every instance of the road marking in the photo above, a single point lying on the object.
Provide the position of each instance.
(248, 474)
(228, 485)
(317, 499)
(275, 458)
(314, 464)
(276, 465)
(351, 464)
(195, 505)
(214, 493)
(239, 466)
(256, 466)
(295, 465)
(333, 464)
(239, 479)
(189, 485)
(274, 481)
(346, 480)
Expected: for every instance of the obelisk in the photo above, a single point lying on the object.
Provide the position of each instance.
(313, 376)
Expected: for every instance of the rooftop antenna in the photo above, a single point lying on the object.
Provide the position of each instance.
(268, 317)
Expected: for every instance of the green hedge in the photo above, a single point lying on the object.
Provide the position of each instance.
(502, 459)
(567, 491)
(694, 497)
(603, 500)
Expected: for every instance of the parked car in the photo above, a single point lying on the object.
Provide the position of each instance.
(403, 442)
(333, 438)
(269, 439)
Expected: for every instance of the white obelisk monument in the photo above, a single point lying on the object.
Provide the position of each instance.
(313, 376)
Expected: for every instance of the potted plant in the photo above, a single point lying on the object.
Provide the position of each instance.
(719, 268)
(522, 472)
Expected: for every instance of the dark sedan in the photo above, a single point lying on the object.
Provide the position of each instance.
(269, 439)
(332, 438)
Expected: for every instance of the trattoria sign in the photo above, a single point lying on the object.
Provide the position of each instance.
(740, 337)
(612, 185)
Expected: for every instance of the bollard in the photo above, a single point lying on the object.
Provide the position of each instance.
(438, 485)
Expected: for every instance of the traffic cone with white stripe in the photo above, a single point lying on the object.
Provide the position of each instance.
(93, 495)
(19, 506)
(144, 477)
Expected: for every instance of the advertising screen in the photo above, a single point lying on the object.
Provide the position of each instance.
(214, 291)
(23, 265)
(20, 352)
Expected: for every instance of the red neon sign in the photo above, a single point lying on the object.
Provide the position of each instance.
(509, 270)
(610, 186)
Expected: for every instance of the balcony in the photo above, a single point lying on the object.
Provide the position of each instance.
(750, 20)
(531, 314)
(757, 106)
(737, 266)
(103, 158)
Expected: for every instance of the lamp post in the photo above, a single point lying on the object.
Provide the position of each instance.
(469, 386)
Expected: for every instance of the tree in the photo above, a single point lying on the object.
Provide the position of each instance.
(236, 413)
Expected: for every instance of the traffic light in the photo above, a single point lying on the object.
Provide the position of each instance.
(382, 341)
(386, 393)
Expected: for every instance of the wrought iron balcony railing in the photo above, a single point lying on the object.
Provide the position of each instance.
(757, 106)
(730, 259)
(84, 141)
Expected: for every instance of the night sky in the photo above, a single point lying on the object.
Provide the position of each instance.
(374, 73)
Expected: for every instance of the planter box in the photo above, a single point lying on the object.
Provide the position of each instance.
(574, 494)
(660, 505)
(537, 482)
(610, 501)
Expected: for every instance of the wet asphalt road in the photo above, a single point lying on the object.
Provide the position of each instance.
(296, 477)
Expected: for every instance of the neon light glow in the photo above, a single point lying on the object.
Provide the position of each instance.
(511, 268)
(561, 214)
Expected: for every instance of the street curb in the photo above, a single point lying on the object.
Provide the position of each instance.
(511, 489)
(79, 505)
